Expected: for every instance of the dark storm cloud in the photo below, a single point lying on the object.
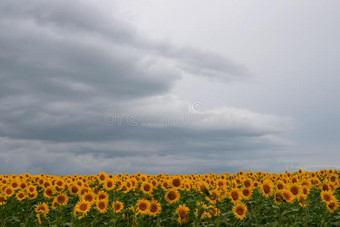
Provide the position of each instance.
(64, 65)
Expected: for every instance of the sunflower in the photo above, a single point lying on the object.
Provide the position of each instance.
(20, 195)
(101, 206)
(213, 210)
(143, 206)
(202, 186)
(240, 210)
(128, 185)
(3, 199)
(117, 206)
(182, 211)
(295, 189)
(248, 183)
(47, 184)
(176, 182)
(31, 189)
(33, 195)
(213, 196)
(42, 208)
(326, 196)
(109, 184)
(102, 177)
(220, 183)
(60, 183)
(278, 197)
(301, 198)
(14, 184)
(83, 190)
(74, 189)
(305, 190)
(23, 185)
(246, 193)
(280, 185)
(267, 188)
(333, 206)
(61, 199)
(83, 207)
(155, 208)
(172, 196)
(48, 192)
(9, 191)
(325, 186)
(147, 188)
(102, 195)
(235, 195)
(89, 196)
(287, 196)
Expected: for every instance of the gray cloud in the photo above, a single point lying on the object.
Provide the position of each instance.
(62, 71)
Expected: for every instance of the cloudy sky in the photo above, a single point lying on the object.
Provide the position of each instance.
(169, 86)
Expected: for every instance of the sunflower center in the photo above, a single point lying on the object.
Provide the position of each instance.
(247, 183)
(49, 192)
(101, 196)
(88, 198)
(182, 213)
(327, 198)
(266, 188)
(246, 192)
(142, 206)
(294, 190)
(240, 210)
(83, 207)
(101, 205)
(117, 206)
(153, 208)
(172, 195)
(176, 182)
(234, 195)
(147, 187)
(61, 199)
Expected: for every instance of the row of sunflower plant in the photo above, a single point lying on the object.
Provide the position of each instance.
(300, 198)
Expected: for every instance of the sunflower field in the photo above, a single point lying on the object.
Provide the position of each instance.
(298, 198)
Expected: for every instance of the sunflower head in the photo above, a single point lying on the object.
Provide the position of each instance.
(182, 211)
(20, 195)
(147, 187)
(235, 195)
(267, 188)
(246, 193)
(287, 196)
(240, 210)
(89, 196)
(143, 206)
(3, 199)
(102, 195)
(155, 208)
(172, 196)
(101, 206)
(42, 208)
(117, 206)
(327, 197)
(176, 182)
(83, 207)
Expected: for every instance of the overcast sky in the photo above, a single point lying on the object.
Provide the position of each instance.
(169, 86)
